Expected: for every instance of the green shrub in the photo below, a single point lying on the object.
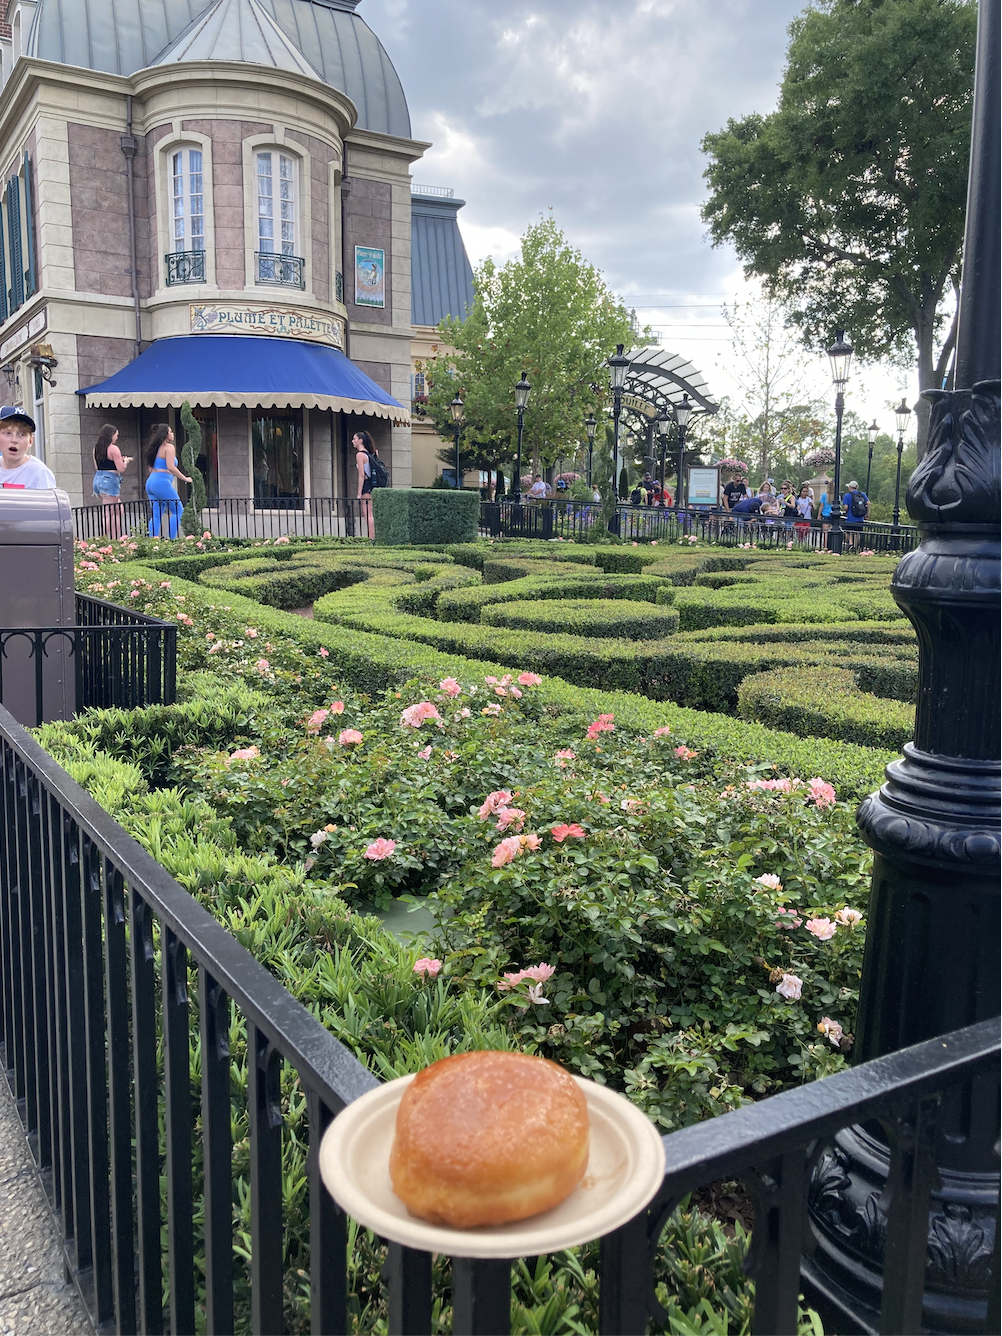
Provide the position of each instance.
(623, 618)
(825, 702)
(422, 515)
(465, 605)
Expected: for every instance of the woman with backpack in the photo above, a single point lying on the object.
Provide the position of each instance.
(370, 473)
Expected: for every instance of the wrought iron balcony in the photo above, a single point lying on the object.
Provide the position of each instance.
(185, 267)
(285, 271)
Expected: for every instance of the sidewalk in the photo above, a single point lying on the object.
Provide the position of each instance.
(35, 1298)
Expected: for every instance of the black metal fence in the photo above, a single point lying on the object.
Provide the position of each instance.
(234, 517)
(579, 521)
(102, 957)
(113, 656)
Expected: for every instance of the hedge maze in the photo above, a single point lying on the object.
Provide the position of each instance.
(803, 642)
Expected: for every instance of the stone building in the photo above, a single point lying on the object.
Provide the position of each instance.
(206, 200)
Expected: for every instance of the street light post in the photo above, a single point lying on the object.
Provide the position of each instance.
(590, 424)
(683, 412)
(901, 415)
(871, 433)
(618, 365)
(663, 422)
(522, 389)
(456, 409)
(840, 357)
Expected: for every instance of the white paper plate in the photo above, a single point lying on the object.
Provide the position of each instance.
(625, 1170)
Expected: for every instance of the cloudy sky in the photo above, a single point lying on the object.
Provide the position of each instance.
(596, 109)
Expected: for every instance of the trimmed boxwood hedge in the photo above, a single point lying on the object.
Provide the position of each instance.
(425, 515)
(623, 618)
(825, 701)
(466, 605)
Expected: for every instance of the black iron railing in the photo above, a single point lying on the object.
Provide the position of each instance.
(242, 517)
(98, 950)
(185, 267)
(579, 520)
(286, 271)
(114, 657)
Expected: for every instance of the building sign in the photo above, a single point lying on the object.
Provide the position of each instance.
(370, 276)
(275, 321)
(704, 487)
(640, 405)
(31, 330)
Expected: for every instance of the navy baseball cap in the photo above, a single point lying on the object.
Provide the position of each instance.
(11, 413)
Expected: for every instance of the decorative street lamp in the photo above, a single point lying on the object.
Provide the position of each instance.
(663, 422)
(840, 358)
(456, 409)
(618, 366)
(871, 433)
(683, 412)
(901, 415)
(521, 399)
(590, 424)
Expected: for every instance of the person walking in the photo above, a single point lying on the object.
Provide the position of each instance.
(365, 475)
(825, 512)
(856, 505)
(161, 488)
(109, 465)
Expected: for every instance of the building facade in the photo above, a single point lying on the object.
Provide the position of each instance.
(206, 200)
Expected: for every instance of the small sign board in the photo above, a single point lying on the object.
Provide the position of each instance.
(370, 276)
(276, 321)
(704, 486)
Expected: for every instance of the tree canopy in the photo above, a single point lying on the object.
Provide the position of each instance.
(548, 313)
(849, 199)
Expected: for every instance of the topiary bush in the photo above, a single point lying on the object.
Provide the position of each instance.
(826, 702)
(422, 515)
(623, 618)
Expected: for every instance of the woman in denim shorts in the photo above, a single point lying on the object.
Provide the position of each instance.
(109, 465)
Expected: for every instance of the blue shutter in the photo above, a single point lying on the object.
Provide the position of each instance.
(30, 278)
(4, 309)
(16, 260)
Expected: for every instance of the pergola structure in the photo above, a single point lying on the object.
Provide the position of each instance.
(656, 381)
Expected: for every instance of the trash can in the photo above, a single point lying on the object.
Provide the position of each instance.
(37, 672)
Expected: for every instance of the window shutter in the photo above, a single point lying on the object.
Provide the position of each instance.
(31, 283)
(16, 261)
(4, 230)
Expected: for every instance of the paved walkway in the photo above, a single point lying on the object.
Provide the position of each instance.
(35, 1298)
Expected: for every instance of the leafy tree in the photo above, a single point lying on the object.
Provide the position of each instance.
(849, 199)
(191, 518)
(549, 313)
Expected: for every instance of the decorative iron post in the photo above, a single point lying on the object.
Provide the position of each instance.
(932, 951)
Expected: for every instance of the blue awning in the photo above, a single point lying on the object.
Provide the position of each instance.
(243, 371)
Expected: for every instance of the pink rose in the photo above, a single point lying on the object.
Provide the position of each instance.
(821, 928)
(822, 795)
(262, 665)
(494, 802)
(790, 987)
(324, 653)
(539, 973)
(564, 832)
(529, 680)
(380, 849)
(245, 754)
(315, 720)
(770, 882)
(831, 1030)
(450, 686)
(426, 967)
(514, 691)
(603, 724)
(562, 757)
(415, 715)
(425, 753)
(510, 816)
(530, 841)
(662, 732)
(848, 917)
(337, 707)
(349, 737)
(506, 851)
(684, 754)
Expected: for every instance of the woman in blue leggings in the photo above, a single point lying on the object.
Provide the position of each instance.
(160, 486)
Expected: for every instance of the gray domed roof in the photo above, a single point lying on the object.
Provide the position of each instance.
(237, 30)
(122, 36)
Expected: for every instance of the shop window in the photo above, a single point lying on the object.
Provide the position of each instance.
(208, 460)
(277, 442)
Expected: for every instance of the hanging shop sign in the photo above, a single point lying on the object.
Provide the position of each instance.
(370, 276)
(276, 321)
(31, 330)
(704, 486)
(640, 405)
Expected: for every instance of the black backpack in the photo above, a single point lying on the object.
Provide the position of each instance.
(380, 478)
(857, 506)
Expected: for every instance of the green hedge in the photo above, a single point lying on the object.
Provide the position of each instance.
(827, 702)
(371, 662)
(466, 605)
(424, 515)
(623, 618)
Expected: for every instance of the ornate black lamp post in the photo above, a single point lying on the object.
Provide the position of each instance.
(901, 415)
(663, 422)
(590, 424)
(618, 366)
(456, 409)
(522, 389)
(871, 434)
(840, 358)
(683, 412)
(932, 961)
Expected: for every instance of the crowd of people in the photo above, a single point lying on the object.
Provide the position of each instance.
(794, 508)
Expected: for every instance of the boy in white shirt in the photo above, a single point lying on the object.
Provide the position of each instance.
(17, 467)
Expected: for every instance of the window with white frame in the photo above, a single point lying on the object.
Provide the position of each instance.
(276, 203)
(187, 200)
